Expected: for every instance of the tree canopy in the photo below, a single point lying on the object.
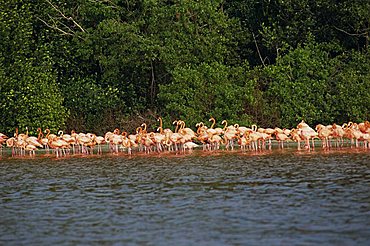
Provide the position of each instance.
(96, 65)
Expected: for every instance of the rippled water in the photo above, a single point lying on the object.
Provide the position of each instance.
(227, 198)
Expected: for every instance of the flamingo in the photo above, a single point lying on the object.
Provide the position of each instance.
(271, 131)
(139, 138)
(134, 139)
(159, 139)
(164, 142)
(203, 136)
(241, 129)
(50, 136)
(147, 142)
(114, 139)
(266, 134)
(261, 136)
(242, 140)
(215, 141)
(21, 136)
(160, 122)
(175, 140)
(229, 135)
(83, 140)
(214, 138)
(107, 138)
(338, 134)
(45, 141)
(3, 139)
(364, 127)
(353, 132)
(296, 136)
(190, 146)
(33, 141)
(58, 144)
(281, 137)
(366, 139)
(210, 130)
(253, 136)
(31, 148)
(144, 131)
(126, 143)
(188, 135)
(11, 143)
(69, 138)
(324, 133)
(187, 130)
(99, 141)
(307, 133)
(19, 143)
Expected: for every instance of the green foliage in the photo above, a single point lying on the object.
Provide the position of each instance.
(279, 25)
(208, 90)
(125, 59)
(30, 98)
(89, 103)
(95, 65)
(298, 86)
(352, 87)
(308, 84)
(29, 94)
(192, 32)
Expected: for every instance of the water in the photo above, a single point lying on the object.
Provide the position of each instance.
(226, 198)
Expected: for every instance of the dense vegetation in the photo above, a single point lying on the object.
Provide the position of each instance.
(93, 65)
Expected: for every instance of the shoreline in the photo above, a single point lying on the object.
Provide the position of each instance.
(291, 147)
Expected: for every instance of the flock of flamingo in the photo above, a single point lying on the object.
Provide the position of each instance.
(183, 139)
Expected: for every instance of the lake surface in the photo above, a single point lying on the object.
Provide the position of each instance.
(279, 197)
